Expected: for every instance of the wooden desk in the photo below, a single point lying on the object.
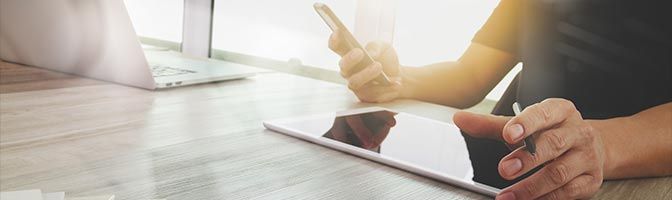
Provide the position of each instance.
(86, 137)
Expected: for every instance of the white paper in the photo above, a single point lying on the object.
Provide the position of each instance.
(54, 196)
(104, 197)
(21, 195)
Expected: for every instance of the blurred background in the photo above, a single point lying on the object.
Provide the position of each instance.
(422, 31)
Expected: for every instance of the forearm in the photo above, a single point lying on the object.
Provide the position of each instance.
(446, 83)
(639, 145)
(459, 84)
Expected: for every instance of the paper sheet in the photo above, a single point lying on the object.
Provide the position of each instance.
(54, 196)
(21, 195)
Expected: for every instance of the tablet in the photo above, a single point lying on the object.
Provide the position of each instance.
(416, 144)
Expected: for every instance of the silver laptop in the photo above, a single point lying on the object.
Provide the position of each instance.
(95, 38)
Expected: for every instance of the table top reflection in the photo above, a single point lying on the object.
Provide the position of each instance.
(86, 137)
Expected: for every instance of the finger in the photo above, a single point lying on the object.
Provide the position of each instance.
(537, 117)
(551, 177)
(376, 94)
(582, 187)
(376, 48)
(382, 51)
(480, 126)
(550, 144)
(361, 78)
(386, 97)
(379, 97)
(350, 61)
(336, 44)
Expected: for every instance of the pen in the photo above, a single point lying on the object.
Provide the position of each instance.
(529, 143)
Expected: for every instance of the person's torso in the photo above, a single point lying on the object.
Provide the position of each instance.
(611, 58)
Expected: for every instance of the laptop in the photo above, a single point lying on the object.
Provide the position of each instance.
(96, 39)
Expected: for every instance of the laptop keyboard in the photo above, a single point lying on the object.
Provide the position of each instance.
(160, 70)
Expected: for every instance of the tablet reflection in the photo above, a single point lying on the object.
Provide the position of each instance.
(366, 130)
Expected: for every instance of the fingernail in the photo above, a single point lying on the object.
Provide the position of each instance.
(515, 131)
(506, 196)
(512, 166)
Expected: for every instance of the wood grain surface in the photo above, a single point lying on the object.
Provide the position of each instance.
(65, 133)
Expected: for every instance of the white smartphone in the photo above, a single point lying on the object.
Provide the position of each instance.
(419, 145)
(335, 24)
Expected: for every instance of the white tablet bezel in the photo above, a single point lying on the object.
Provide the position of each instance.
(277, 125)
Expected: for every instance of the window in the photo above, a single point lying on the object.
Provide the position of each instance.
(422, 31)
(279, 30)
(429, 31)
(157, 19)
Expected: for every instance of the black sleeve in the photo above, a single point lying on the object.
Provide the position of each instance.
(502, 28)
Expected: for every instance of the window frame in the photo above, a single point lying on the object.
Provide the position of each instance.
(197, 27)
(197, 24)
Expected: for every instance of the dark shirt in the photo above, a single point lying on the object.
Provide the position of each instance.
(611, 58)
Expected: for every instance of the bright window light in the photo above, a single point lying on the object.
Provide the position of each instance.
(279, 30)
(157, 19)
(430, 31)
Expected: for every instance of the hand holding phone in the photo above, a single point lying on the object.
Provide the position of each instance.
(350, 42)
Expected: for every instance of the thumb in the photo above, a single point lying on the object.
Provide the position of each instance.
(385, 54)
(481, 126)
(375, 48)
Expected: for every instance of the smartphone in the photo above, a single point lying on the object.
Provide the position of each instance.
(335, 24)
